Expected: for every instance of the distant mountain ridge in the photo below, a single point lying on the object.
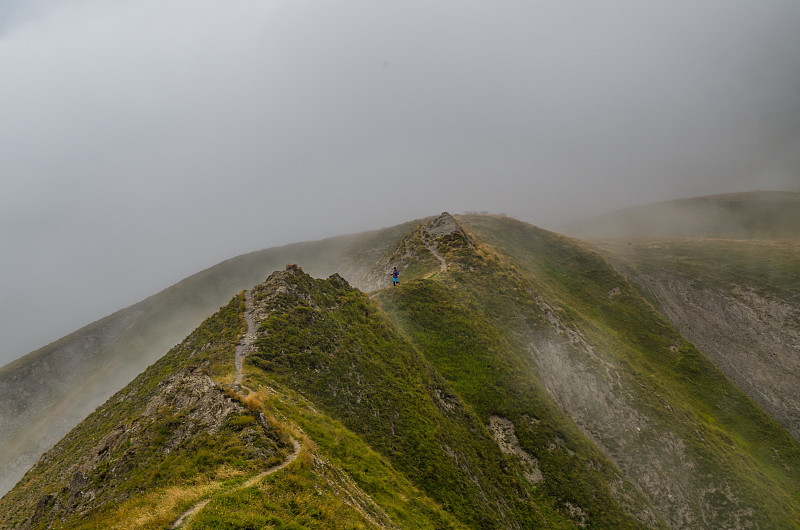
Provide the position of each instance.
(748, 215)
(514, 379)
(724, 270)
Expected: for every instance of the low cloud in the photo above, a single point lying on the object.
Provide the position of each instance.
(144, 140)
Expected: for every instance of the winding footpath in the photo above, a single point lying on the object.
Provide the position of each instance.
(191, 512)
(429, 243)
(243, 349)
(247, 344)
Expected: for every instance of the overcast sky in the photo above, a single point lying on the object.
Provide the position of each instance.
(144, 140)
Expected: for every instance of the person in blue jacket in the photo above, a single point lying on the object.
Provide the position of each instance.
(395, 276)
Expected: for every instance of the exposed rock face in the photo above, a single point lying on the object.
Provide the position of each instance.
(753, 338)
(284, 289)
(503, 432)
(205, 404)
(442, 225)
(199, 406)
(598, 395)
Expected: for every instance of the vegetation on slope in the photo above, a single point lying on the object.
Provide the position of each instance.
(338, 481)
(172, 425)
(329, 340)
(49, 391)
(723, 435)
(178, 435)
(527, 385)
(770, 267)
(459, 322)
(738, 301)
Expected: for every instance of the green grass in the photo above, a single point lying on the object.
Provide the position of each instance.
(335, 456)
(391, 397)
(349, 358)
(139, 463)
(749, 215)
(729, 437)
(412, 258)
(458, 323)
(769, 267)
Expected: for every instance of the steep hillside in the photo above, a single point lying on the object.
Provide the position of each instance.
(679, 430)
(185, 438)
(333, 343)
(514, 379)
(723, 269)
(183, 445)
(49, 391)
(752, 215)
(738, 301)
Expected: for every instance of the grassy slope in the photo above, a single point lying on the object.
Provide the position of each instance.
(347, 357)
(57, 386)
(460, 321)
(728, 434)
(336, 483)
(737, 300)
(393, 421)
(145, 467)
(770, 267)
(723, 269)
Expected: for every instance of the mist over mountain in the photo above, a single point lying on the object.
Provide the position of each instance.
(639, 371)
(753, 215)
(129, 163)
(514, 378)
(49, 391)
(723, 269)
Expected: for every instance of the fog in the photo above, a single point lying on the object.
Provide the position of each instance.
(144, 140)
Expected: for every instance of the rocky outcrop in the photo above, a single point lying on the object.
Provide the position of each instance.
(504, 434)
(112, 456)
(186, 406)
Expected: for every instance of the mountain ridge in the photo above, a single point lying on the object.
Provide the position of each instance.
(744, 215)
(52, 389)
(725, 275)
(508, 386)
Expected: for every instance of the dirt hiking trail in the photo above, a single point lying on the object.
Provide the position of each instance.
(247, 343)
(186, 516)
(243, 349)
